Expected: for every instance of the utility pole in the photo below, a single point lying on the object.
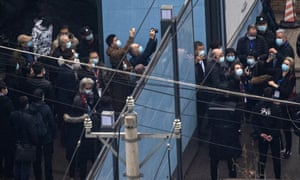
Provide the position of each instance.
(131, 137)
(131, 142)
(177, 96)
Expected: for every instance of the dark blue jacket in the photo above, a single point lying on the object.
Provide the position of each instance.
(143, 58)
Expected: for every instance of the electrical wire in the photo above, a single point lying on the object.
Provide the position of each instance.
(74, 154)
(159, 109)
(207, 141)
(164, 154)
(199, 88)
(121, 60)
(191, 85)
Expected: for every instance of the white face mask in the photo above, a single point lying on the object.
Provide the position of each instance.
(87, 91)
(222, 59)
(119, 43)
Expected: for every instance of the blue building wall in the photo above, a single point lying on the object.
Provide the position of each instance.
(155, 105)
(121, 15)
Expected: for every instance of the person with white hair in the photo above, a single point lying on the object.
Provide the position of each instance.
(86, 104)
(282, 50)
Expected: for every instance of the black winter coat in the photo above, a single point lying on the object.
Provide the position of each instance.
(66, 84)
(24, 128)
(48, 119)
(283, 51)
(265, 121)
(143, 58)
(6, 129)
(34, 83)
(269, 37)
(286, 84)
(257, 47)
(224, 123)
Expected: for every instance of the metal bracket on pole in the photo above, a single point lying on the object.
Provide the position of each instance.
(131, 137)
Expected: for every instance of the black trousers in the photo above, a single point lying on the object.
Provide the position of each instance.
(214, 168)
(7, 161)
(46, 152)
(263, 150)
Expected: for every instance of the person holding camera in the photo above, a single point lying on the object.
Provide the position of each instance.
(120, 86)
(276, 55)
(64, 30)
(139, 57)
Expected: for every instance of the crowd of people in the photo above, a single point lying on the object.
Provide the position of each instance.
(262, 64)
(53, 85)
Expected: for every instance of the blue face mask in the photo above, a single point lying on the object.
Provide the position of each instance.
(68, 45)
(250, 61)
(17, 66)
(222, 59)
(95, 60)
(238, 72)
(119, 43)
(262, 28)
(279, 42)
(230, 58)
(141, 49)
(285, 68)
(89, 37)
(29, 44)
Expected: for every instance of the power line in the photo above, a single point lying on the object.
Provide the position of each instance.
(170, 81)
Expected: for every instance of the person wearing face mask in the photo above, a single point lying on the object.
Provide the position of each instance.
(88, 42)
(257, 78)
(23, 60)
(284, 85)
(282, 50)
(139, 57)
(83, 105)
(18, 65)
(120, 86)
(230, 58)
(38, 81)
(263, 30)
(66, 82)
(64, 43)
(117, 53)
(215, 72)
(251, 43)
(90, 71)
(200, 72)
(64, 30)
(200, 61)
(224, 125)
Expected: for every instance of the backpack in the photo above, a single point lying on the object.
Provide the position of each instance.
(39, 124)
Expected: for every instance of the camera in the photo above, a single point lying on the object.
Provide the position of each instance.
(154, 29)
(272, 55)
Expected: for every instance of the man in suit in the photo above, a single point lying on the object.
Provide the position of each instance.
(200, 72)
